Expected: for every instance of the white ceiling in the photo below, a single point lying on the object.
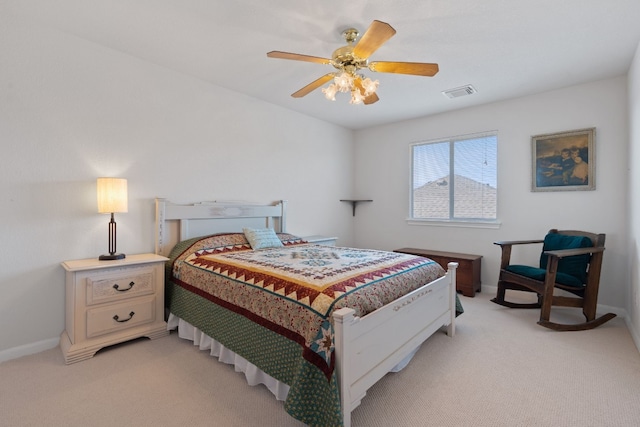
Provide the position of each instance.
(504, 48)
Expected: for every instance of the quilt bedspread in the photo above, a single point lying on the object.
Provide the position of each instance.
(273, 306)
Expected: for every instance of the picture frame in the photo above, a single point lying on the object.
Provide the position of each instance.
(564, 161)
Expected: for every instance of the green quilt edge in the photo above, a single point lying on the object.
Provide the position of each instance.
(311, 399)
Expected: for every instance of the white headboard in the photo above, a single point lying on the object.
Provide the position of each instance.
(175, 222)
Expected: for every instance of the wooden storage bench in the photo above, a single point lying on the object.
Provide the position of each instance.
(468, 273)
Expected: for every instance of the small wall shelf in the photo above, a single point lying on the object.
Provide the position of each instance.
(354, 203)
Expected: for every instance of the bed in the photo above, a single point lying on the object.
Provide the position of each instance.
(317, 325)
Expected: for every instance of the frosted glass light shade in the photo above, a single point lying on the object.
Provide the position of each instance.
(112, 195)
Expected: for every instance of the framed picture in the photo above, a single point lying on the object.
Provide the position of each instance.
(564, 161)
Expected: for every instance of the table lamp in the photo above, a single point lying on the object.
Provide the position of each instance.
(112, 198)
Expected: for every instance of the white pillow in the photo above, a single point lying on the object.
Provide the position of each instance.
(260, 238)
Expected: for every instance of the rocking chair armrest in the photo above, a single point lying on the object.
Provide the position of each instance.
(561, 253)
(517, 242)
(506, 246)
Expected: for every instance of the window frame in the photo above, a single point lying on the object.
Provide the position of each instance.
(451, 221)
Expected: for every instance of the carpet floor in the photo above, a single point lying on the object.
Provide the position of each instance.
(500, 369)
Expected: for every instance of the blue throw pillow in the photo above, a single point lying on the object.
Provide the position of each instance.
(260, 238)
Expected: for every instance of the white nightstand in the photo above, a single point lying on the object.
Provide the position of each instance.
(321, 240)
(108, 302)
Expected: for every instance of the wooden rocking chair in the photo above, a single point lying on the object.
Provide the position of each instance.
(570, 260)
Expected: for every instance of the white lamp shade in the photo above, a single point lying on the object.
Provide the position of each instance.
(112, 195)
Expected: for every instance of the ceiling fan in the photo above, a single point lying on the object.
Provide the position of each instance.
(349, 59)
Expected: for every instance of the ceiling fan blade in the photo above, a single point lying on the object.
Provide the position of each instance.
(371, 99)
(313, 85)
(414, 68)
(297, 57)
(375, 36)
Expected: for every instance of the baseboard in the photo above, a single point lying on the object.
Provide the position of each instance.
(634, 333)
(620, 312)
(27, 349)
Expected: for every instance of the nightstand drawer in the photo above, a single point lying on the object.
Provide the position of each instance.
(115, 317)
(127, 283)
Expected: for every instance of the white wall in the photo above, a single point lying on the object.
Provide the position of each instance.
(633, 301)
(71, 111)
(382, 174)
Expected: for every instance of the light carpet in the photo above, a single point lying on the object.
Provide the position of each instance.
(500, 369)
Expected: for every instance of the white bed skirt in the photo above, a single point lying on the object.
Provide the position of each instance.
(251, 372)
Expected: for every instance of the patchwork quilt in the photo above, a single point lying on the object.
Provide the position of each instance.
(273, 306)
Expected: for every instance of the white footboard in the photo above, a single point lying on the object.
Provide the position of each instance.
(367, 348)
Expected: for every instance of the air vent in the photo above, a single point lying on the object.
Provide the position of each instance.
(460, 91)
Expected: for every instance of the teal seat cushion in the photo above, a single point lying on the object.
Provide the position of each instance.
(539, 273)
(575, 266)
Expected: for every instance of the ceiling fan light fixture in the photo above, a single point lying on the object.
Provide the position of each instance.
(356, 97)
(330, 92)
(359, 86)
(344, 82)
(370, 86)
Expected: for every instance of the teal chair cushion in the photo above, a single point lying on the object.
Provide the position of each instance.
(539, 273)
(572, 271)
(575, 266)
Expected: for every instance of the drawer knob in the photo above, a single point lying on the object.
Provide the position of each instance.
(117, 318)
(116, 287)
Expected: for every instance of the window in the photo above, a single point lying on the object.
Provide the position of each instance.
(455, 179)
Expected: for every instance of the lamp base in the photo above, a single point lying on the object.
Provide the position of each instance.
(111, 257)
